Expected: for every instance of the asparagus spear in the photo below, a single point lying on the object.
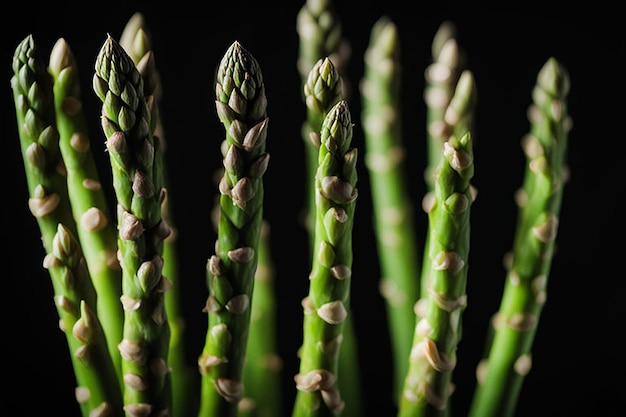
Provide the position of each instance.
(263, 366)
(327, 305)
(322, 91)
(457, 119)
(262, 396)
(136, 39)
(427, 386)
(501, 375)
(126, 121)
(96, 228)
(450, 97)
(242, 108)
(97, 390)
(39, 140)
(392, 206)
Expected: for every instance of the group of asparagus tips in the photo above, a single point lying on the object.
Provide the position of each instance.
(115, 277)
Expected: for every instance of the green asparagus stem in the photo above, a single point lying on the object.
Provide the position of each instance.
(136, 39)
(263, 367)
(327, 305)
(39, 140)
(98, 391)
(322, 91)
(133, 153)
(320, 34)
(458, 119)
(74, 295)
(391, 201)
(96, 227)
(242, 108)
(501, 375)
(427, 386)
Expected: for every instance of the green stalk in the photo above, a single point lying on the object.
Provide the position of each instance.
(320, 37)
(263, 366)
(137, 41)
(391, 201)
(450, 97)
(98, 391)
(75, 299)
(133, 153)
(428, 383)
(326, 307)
(458, 120)
(39, 139)
(322, 91)
(501, 375)
(96, 227)
(241, 107)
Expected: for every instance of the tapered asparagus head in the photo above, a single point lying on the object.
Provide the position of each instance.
(34, 88)
(336, 153)
(120, 87)
(337, 129)
(239, 87)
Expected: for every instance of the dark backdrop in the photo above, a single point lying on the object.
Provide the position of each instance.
(577, 357)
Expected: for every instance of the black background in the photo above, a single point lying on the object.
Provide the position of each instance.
(578, 355)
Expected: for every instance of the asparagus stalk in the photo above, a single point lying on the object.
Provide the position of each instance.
(391, 202)
(427, 386)
(450, 98)
(97, 388)
(262, 370)
(39, 141)
(322, 91)
(458, 120)
(263, 366)
(136, 39)
(96, 228)
(501, 374)
(327, 305)
(242, 108)
(126, 122)
(98, 391)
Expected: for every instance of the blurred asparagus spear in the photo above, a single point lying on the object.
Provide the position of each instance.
(242, 109)
(391, 197)
(263, 395)
(137, 181)
(509, 358)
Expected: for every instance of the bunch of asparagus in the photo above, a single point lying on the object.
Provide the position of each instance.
(115, 274)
